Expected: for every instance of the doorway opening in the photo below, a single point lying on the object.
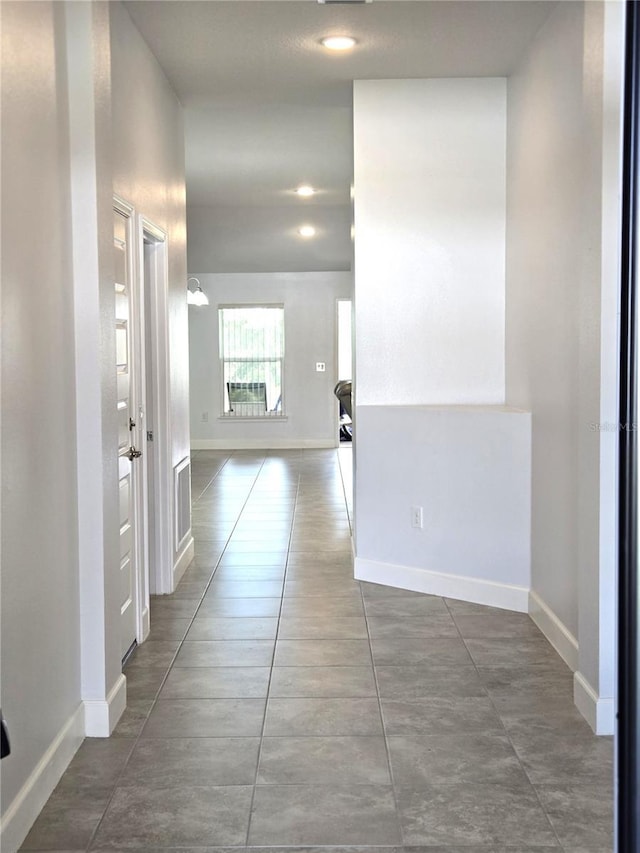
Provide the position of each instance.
(344, 379)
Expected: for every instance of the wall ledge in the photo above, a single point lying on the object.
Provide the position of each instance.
(455, 408)
(30, 800)
(554, 630)
(598, 711)
(475, 590)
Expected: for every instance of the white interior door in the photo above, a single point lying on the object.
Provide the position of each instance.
(127, 413)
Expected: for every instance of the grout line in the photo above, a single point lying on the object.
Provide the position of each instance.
(275, 645)
(382, 722)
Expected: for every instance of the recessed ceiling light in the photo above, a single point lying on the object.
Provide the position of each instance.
(338, 42)
(305, 191)
(307, 231)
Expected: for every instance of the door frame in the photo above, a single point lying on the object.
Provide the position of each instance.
(160, 576)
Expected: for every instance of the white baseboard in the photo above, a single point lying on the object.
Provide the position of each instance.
(184, 558)
(598, 711)
(30, 800)
(436, 583)
(263, 443)
(554, 630)
(101, 715)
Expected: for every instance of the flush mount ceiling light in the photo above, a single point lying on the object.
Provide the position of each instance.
(338, 42)
(307, 231)
(198, 296)
(305, 191)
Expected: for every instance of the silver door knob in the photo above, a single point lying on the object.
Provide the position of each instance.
(133, 453)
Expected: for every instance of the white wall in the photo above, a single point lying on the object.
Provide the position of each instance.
(468, 467)
(61, 665)
(40, 688)
(310, 311)
(429, 247)
(544, 266)
(562, 231)
(430, 174)
(148, 157)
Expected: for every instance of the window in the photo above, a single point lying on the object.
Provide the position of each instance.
(252, 356)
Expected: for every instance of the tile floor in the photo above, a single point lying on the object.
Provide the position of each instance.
(279, 703)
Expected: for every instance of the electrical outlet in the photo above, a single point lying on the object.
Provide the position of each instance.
(205, 417)
(416, 517)
(320, 367)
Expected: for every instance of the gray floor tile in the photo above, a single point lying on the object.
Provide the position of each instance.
(164, 606)
(320, 559)
(208, 718)
(222, 628)
(323, 681)
(553, 681)
(561, 757)
(260, 608)
(135, 716)
(319, 586)
(243, 589)
(403, 606)
(322, 653)
(398, 627)
(301, 608)
(296, 717)
(406, 651)
(524, 716)
(98, 763)
(144, 682)
(502, 624)
(175, 817)
(188, 762)
(372, 591)
(581, 814)
(308, 571)
(413, 682)
(518, 652)
(327, 545)
(419, 760)
(169, 628)
(225, 653)
(479, 813)
(323, 761)
(155, 653)
(313, 814)
(468, 608)
(217, 683)
(250, 573)
(323, 628)
(190, 589)
(440, 715)
(69, 819)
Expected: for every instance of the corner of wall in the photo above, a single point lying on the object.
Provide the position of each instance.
(554, 630)
(598, 711)
(102, 715)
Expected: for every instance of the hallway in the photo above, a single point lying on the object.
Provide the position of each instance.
(279, 703)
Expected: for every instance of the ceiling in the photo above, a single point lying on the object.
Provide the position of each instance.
(268, 108)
